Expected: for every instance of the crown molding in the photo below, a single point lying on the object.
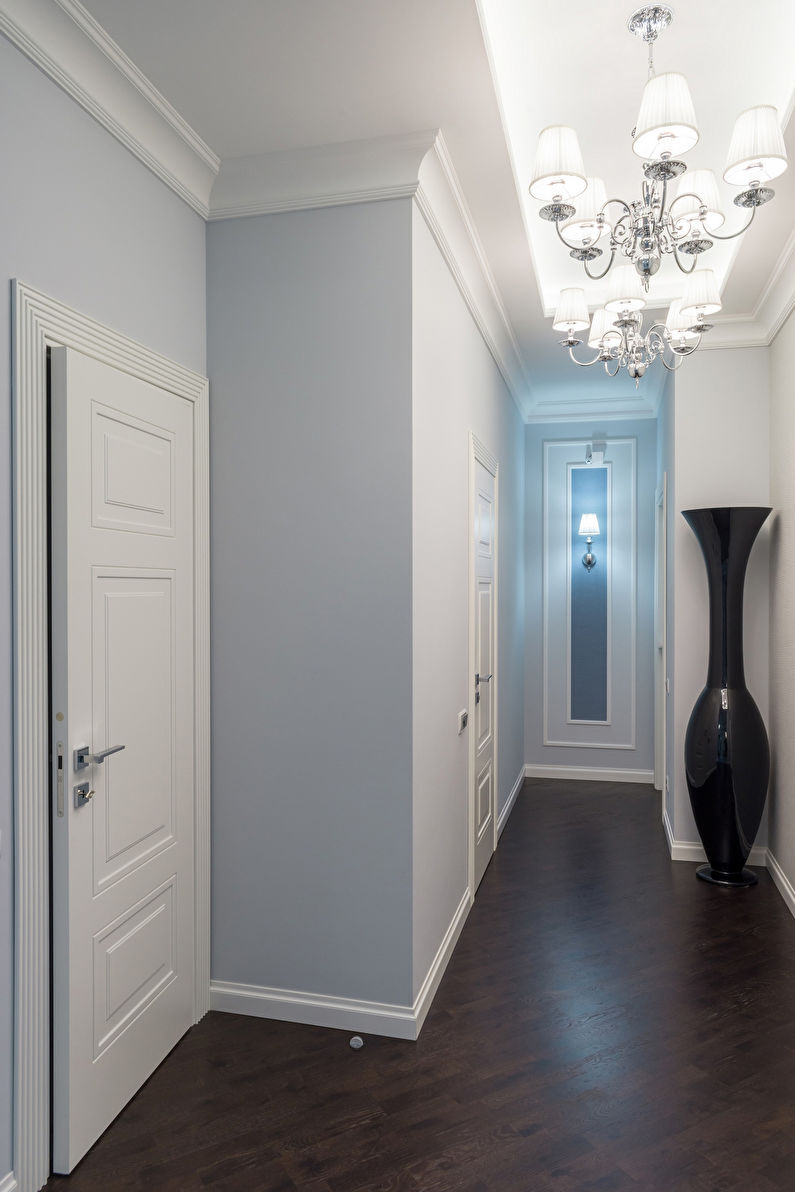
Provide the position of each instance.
(759, 328)
(441, 202)
(364, 171)
(68, 45)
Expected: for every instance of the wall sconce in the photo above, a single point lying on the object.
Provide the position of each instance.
(589, 526)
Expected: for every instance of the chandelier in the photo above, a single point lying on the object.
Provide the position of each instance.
(683, 224)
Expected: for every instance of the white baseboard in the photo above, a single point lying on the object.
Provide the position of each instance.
(508, 808)
(692, 850)
(314, 1009)
(589, 773)
(8, 1183)
(784, 885)
(318, 1009)
(422, 1002)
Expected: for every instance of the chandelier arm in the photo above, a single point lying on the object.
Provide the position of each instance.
(599, 276)
(583, 363)
(621, 202)
(679, 263)
(735, 234)
(607, 368)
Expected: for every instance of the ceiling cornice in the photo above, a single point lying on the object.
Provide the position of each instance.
(65, 42)
(759, 328)
(364, 171)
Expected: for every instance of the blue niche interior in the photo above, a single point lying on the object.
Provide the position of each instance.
(589, 598)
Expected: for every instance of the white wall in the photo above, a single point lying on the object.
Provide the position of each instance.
(666, 466)
(457, 388)
(722, 435)
(309, 325)
(84, 221)
(782, 600)
(536, 752)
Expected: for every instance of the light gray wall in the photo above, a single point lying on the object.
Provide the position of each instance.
(642, 757)
(722, 448)
(309, 349)
(666, 465)
(84, 221)
(457, 388)
(782, 599)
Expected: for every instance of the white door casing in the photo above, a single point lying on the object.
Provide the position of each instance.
(41, 322)
(483, 655)
(122, 674)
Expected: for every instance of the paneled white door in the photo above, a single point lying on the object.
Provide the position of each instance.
(485, 551)
(122, 675)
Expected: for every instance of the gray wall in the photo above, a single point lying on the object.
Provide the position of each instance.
(782, 599)
(84, 221)
(309, 349)
(665, 465)
(642, 757)
(457, 388)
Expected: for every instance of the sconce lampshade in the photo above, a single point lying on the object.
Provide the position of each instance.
(704, 184)
(667, 118)
(572, 312)
(582, 229)
(701, 296)
(589, 525)
(626, 292)
(558, 171)
(757, 152)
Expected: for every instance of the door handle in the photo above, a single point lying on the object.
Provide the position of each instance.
(84, 757)
(483, 678)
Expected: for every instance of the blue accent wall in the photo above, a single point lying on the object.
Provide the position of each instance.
(589, 598)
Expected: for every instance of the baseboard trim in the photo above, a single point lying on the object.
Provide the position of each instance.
(313, 1009)
(8, 1183)
(783, 884)
(508, 808)
(344, 1014)
(589, 773)
(424, 998)
(692, 850)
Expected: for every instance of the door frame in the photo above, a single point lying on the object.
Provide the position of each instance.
(40, 322)
(661, 637)
(480, 454)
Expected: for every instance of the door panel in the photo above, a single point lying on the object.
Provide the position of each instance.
(485, 549)
(122, 674)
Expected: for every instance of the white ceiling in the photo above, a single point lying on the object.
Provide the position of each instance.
(256, 76)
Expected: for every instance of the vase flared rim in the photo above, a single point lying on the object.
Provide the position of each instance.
(729, 509)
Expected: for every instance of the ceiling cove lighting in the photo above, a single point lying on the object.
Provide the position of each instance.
(637, 235)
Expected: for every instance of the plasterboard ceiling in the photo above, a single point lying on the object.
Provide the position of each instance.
(258, 76)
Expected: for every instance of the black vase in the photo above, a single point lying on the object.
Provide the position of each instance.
(727, 757)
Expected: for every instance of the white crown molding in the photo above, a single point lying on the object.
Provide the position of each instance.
(759, 328)
(363, 171)
(65, 41)
(441, 202)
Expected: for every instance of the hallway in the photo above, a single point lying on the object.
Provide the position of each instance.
(606, 1023)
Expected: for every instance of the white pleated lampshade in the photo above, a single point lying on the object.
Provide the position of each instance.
(757, 152)
(572, 312)
(678, 325)
(583, 229)
(603, 333)
(558, 170)
(667, 118)
(589, 525)
(701, 296)
(704, 184)
(625, 292)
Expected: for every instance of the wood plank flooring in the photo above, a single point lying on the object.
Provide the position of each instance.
(607, 1023)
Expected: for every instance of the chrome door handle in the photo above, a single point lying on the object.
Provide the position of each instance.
(483, 678)
(84, 757)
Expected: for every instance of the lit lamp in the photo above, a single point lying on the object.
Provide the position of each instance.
(589, 527)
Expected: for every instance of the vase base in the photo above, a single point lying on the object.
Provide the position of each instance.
(746, 877)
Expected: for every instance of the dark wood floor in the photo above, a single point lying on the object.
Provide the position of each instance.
(607, 1022)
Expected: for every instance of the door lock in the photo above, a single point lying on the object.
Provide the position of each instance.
(82, 794)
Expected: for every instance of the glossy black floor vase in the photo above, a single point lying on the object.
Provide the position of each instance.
(727, 756)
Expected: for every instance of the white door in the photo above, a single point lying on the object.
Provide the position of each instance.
(485, 552)
(122, 675)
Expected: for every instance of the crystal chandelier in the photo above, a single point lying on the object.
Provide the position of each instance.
(683, 225)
